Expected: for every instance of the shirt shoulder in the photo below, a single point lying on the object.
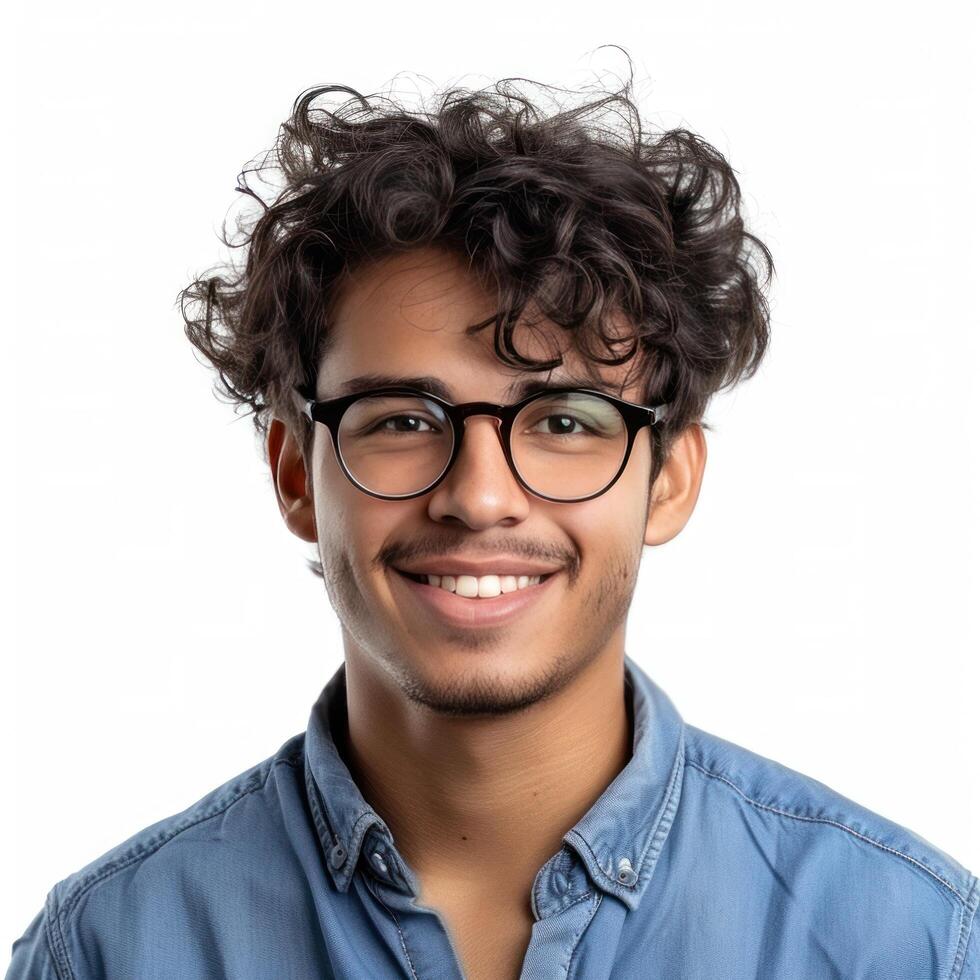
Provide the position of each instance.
(159, 871)
(861, 876)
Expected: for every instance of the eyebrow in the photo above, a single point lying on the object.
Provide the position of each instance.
(436, 386)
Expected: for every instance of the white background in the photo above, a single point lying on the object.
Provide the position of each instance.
(820, 608)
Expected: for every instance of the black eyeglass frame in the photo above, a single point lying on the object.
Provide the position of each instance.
(330, 412)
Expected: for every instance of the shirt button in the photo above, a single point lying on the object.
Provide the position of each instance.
(626, 875)
(338, 855)
(379, 862)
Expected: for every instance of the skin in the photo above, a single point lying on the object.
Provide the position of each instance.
(479, 748)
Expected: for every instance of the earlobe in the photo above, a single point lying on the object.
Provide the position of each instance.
(676, 489)
(289, 479)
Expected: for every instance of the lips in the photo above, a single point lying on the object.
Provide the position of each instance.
(462, 612)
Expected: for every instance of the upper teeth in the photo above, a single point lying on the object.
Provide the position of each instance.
(484, 586)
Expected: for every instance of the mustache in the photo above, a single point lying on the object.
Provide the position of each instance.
(395, 554)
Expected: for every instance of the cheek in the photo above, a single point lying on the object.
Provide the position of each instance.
(340, 506)
(608, 520)
(609, 539)
(603, 533)
(354, 525)
(351, 536)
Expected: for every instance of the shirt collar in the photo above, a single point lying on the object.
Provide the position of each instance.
(619, 839)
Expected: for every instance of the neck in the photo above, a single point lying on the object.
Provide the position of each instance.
(487, 796)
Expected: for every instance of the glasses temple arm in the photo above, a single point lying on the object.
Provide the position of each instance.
(304, 404)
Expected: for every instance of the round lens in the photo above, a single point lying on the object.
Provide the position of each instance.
(570, 445)
(395, 444)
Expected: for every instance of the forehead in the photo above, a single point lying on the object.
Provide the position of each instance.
(406, 315)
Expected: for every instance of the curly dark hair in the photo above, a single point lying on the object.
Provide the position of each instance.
(583, 219)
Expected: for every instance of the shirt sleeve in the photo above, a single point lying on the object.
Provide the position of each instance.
(32, 958)
(971, 963)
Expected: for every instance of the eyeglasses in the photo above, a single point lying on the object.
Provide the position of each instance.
(564, 445)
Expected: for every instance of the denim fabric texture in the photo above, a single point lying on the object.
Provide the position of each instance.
(700, 861)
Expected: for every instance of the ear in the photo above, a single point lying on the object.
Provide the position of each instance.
(676, 489)
(290, 481)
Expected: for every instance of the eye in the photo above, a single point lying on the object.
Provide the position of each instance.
(415, 419)
(568, 421)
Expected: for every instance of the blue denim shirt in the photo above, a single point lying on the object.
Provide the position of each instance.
(700, 861)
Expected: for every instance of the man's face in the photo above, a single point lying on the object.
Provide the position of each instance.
(406, 316)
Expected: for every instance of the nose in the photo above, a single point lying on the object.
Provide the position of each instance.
(480, 490)
(480, 449)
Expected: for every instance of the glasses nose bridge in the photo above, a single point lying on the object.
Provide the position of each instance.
(489, 410)
(483, 410)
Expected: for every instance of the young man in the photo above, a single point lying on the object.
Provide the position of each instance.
(479, 346)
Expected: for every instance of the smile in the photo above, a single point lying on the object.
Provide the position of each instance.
(459, 610)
